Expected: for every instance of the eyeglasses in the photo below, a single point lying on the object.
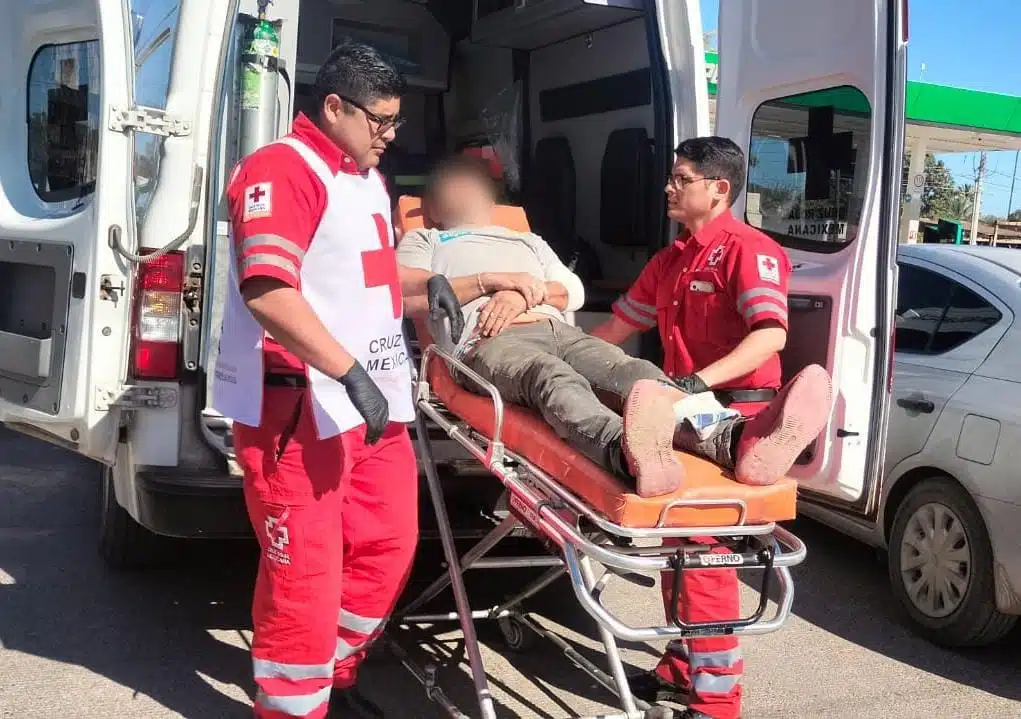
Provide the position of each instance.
(383, 124)
(679, 182)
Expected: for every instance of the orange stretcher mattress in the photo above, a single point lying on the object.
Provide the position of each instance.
(526, 434)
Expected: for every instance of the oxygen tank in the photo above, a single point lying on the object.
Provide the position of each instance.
(259, 79)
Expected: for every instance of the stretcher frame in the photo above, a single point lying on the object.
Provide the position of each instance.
(540, 506)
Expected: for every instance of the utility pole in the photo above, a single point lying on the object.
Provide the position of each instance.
(1013, 178)
(976, 209)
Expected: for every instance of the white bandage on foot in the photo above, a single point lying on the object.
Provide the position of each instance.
(702, 412)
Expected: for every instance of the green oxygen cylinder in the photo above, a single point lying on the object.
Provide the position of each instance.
(259, 81)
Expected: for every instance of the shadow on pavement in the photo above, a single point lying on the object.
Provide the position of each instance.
(148, 632)
(842, 588)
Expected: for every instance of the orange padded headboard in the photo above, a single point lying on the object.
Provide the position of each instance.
(411, 217)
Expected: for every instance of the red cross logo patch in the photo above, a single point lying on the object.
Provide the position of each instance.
(258, 201)
(769, 269)
(715, 256)
(380, 266)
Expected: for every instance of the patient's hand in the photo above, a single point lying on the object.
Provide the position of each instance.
(504, 307)
(533, 289)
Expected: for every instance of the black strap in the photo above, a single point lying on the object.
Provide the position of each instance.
(295, 381)
(728, 397)
(292, 426)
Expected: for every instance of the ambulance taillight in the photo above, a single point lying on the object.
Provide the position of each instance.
(156, 347)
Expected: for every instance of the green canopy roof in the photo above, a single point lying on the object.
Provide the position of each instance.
(927, 104)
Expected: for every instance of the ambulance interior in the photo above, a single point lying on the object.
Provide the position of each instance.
(591, 151)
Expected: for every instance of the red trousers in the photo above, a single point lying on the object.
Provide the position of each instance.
(337, 522)
(709, 668)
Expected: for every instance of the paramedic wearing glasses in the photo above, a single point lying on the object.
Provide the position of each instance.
(314, 371)
(718, 296)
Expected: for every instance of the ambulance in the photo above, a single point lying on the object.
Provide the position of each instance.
(121, 120)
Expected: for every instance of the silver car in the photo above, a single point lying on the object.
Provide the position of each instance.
(951, 505)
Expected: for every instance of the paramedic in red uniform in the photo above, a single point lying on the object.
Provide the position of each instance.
(718, 295)
(313, 369)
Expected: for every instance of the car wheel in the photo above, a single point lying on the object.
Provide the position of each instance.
(123, 542)
(941, 567)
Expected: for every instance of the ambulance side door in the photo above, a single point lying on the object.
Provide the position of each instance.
(71, 222)
(814, 92)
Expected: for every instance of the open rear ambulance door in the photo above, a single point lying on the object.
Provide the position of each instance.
(813, 90)
(68, 256)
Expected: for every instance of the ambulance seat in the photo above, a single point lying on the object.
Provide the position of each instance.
(526, 434)
(625, 184)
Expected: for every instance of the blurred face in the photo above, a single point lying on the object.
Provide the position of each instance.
(461, 199)
(693, 198)
(364, 132)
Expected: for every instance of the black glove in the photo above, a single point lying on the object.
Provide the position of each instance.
(692, 384)
(368, 400)
(443, 301)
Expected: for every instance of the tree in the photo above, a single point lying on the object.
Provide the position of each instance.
(1015, 216)
(940, 192)
(961, 204)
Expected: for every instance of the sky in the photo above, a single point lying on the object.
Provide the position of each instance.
(969, 45)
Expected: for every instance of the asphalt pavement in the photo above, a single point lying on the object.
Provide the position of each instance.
(80, 641)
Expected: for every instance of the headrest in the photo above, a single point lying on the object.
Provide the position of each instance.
(410, 216)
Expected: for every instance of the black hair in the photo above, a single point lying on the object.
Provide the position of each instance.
(460, 165)
(359, 73)
(716, 157)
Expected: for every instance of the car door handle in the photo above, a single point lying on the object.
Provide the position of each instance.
(924, 406)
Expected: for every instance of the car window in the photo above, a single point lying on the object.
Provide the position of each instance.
(936, 314)
(967, 316)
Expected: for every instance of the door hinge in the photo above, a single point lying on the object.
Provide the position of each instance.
(148, 119)
(135, 397)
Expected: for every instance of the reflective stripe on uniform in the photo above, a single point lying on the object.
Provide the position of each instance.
(717, 660)
(706, 683)
(357, 623)
(345, 650)
(636, 312)
(762, 299)
(266, 669)
(297, 705)
(263, 259)
(272, 241)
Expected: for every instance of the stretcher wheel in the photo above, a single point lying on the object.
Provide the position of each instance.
(516, 635)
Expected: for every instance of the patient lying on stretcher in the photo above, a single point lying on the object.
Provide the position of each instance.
(514, 291)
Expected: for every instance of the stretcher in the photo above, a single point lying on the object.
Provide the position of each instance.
(588, 520)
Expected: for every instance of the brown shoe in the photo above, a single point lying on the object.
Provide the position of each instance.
(772, 440)
(649, 436)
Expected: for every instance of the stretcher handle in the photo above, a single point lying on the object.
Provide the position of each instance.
(626, 632)
(495, 451)
(684, 560)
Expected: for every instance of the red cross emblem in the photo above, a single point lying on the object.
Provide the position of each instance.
(257, 193)
(769, 264)
(380, 266)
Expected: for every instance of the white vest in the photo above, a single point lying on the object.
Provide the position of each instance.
(344, 277)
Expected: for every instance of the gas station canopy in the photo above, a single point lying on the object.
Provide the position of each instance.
(948, 119)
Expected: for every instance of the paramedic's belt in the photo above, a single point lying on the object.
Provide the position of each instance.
(295, 381)
(728, 397)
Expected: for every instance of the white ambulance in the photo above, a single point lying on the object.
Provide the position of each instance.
(121, 119)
